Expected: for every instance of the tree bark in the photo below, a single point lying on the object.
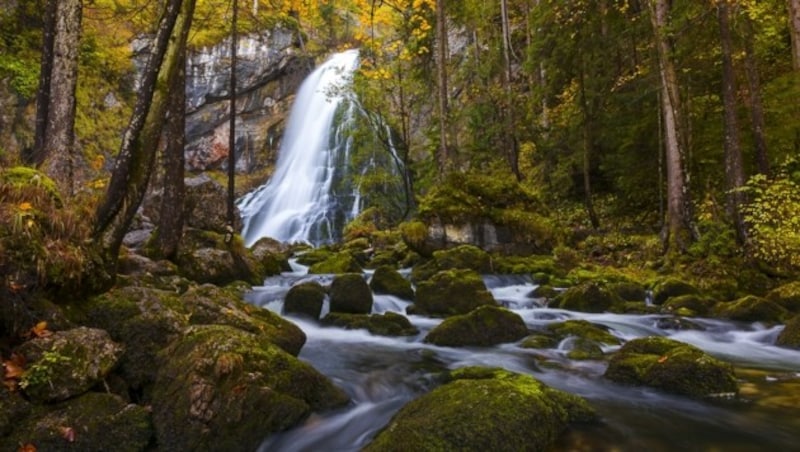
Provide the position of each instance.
(171, 216)
(679, 228)
(443, 159)
(231, 208)
(756, 103)
(510, 136)
(794, 30)
(37, 154)
(734, 172)
(136, 158)
(57, 152)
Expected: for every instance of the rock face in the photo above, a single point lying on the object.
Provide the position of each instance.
(483, 409)
(484, 326)
(451, 292)
(67, 363)
(268, 74)
(671, 366)
(217, 378)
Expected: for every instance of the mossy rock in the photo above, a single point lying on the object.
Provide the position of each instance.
(386, 324)
(584, 349)
(671, 366)
(790, 336)
(205, 257)
(338, 263)
(751, 309)
(540, 267)
(221, 388)
(787, 295)
(92, 422)
(483, 326)
(451, 292)
(67, 363)
(671, 287)
(271, 255)
(305, 299)
(483, 409)
(20, 177)
(539, 341)
(584, 330)
(350, 294)
(544, 291)
(463, 257)
(692, 304)
(628, 291)
(314, 255)
(387, 280)
(415, 236)
(588, 297)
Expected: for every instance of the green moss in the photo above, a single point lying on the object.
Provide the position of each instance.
(386, 280)
(693, 304)
(671, 287)
(343, 262)
(452, 292)
(539, 341)
(584, 330)
(305, 299)
(671, 366)
(483, 409)
(787, 295)
(790, 336)
(484, 326)
(386, 324)
(588, 297)
(751, 309)
(20, 177)
(350, 294)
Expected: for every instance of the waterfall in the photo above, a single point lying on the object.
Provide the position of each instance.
(308, 199)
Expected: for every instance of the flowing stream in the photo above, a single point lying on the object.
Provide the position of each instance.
(303, 200)
(381, 374)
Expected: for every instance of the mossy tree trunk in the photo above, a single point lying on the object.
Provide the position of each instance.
(443, 159)
(136, 157)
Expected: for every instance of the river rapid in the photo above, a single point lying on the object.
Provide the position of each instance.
(381, 374)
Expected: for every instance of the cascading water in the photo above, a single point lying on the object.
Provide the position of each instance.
(306, 199)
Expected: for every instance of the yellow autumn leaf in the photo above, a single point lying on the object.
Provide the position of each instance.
(25, 206)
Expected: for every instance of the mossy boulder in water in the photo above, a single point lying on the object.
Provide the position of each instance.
(386, 324)
(483, 409)
(588, 297)
(350, 294)
(790, 336)
(628, 291)
(221, 388)
(751, 309)
(451, 292)
(463, 256)
(671, 366)
(205, 257)
(387, 280)
(787, 295)
(67, 363)
(582, 329)
(690, 304)
(305, 299)
(91, 422)
(671, 287)
(337, 263)
(484, 326)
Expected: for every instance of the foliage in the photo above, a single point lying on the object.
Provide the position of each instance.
(41, 372)
(773, 217)
(24, 74)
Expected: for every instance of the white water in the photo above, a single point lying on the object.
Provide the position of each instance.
(297, 204)
(381, 374)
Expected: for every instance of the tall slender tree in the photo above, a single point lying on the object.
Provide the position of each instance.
(679, 229)
(443, 159)
(756, 102)
(734, 171)
(231, 208)
(794, 31)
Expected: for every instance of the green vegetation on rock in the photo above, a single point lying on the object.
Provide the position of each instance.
(451, 292)
(387, 280)
(483, 326)
(350, 294)
(305, 299)
(386, 324)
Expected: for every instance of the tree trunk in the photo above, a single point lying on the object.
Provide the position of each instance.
(136, 157)
(794, 31)
(231, 208)
(37, 154)
(679, 231)
(443, 159)
(510, 136)
(171, 216)
(756, 104)
(58, 144)
(588, 144)
(734, 172)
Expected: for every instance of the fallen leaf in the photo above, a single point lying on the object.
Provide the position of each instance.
(68, 433)
(40, 330)
(25, 206)
(27, 448)
(662, 359)
(14, 366)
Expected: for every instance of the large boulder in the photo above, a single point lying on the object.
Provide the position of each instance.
(451, 292)
(305, 299)
(671, 366)
(790, 335)
(90, 422)
(350, 294)
(221, 388)
(787, 295)
(483, 326)
(206, 257)
(337, 263)
(671, 287)
(386, 324)
(387, 280)
(67, 363)
(588, 297)
(688, 305)
(463, 256)
(751, 309)
(483, 409)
